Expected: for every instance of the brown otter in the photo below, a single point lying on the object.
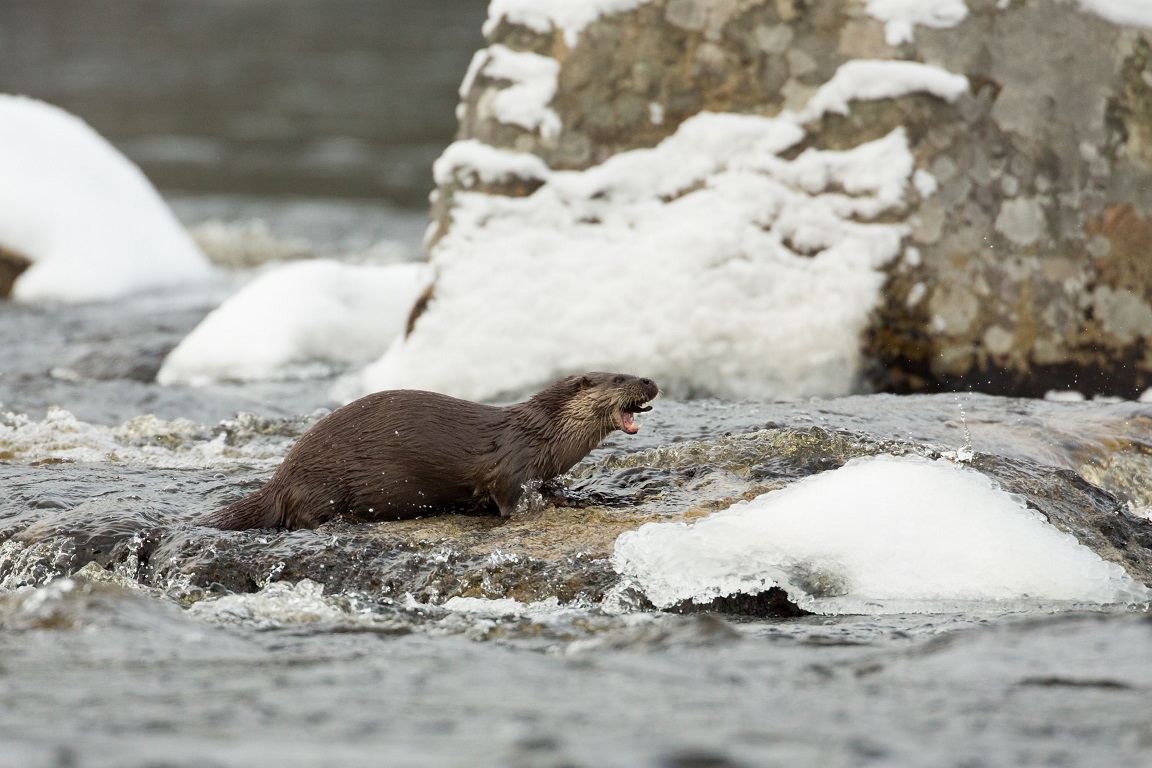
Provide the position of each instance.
(406, 453)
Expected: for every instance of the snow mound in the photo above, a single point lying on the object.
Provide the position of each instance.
(881, 534)
(299, 315)
(89, 221)
(709, 263)
(719, 262)
(866, 79)
(900, 17)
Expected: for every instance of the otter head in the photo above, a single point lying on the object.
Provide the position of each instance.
(572, 416)
(600, 403)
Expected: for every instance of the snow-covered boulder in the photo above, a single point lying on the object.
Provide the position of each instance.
(595, 214)
(80, 216)
(299, 319)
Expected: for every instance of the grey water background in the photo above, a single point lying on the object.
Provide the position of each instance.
(322, 117)
(345, 98)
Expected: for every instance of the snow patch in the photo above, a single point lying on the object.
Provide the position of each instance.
(709, 262)
(299, 314)
(92, 225)
(543, 16)
(901, 17)
(467, 161)
(881, 534)
(866, 79)
(532, 85)
(1134, 13)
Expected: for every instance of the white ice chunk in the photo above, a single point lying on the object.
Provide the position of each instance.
(880, 534)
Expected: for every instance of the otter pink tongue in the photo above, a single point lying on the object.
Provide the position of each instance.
(628, 425)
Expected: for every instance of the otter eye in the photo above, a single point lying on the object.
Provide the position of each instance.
(618, 379)
(585, 382)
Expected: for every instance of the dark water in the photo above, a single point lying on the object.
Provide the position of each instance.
(471, 641)
(352, 98)
(96, 676)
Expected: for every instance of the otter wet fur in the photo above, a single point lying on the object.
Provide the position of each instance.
(403, 454)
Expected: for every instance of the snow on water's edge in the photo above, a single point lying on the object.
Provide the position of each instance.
(90, 222)
(881, 534)
(298, 314)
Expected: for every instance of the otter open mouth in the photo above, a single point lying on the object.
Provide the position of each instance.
(627, 423)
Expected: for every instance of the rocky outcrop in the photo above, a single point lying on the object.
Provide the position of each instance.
(1025, 262)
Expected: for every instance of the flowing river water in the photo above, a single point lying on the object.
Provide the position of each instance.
(130, 636)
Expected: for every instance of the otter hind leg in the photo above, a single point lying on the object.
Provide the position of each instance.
(252, 511)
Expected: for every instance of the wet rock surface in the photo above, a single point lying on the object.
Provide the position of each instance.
(59, 516)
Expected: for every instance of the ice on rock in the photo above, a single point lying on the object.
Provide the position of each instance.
(880, 534)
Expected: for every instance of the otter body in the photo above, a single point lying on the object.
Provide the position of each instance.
(406, 453)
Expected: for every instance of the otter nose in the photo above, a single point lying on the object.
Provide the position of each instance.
(649, 384)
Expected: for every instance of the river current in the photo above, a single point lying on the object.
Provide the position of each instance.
(131, 637)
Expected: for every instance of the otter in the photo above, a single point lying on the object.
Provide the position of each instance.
(402, 454)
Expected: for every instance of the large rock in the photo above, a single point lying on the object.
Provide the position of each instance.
(1028, 219)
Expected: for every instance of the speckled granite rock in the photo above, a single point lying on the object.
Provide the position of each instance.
(1026, 266)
